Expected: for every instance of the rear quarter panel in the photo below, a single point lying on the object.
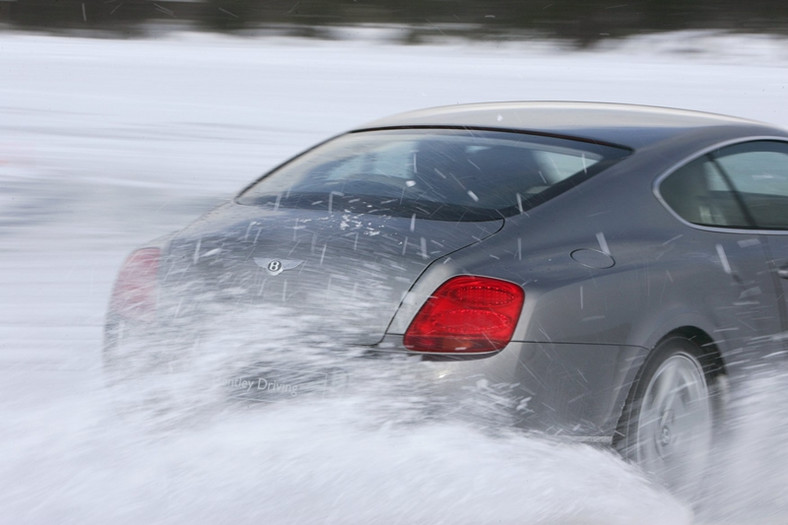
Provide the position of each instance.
(662, 274)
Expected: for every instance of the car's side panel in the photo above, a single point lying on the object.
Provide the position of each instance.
(572, 390)
(662, 269)
(778, 259)
(576, 390)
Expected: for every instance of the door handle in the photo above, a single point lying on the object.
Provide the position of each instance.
(782, 272)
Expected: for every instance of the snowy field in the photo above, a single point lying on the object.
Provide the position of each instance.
(105, 144)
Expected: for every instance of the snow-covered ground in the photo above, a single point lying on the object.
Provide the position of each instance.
(106, 143)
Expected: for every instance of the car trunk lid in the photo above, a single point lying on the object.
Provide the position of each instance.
(341, 274)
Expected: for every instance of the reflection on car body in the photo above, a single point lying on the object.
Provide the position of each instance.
(605, 267)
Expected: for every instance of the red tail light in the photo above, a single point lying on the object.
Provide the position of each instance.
(467, 315)
(134, 295)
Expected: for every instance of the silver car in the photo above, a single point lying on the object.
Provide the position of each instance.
(602, 270)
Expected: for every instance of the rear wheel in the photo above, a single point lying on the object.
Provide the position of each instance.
(668, 422)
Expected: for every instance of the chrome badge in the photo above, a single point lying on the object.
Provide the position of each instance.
(277, 266)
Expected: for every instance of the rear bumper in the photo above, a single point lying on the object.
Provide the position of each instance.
(574, 391)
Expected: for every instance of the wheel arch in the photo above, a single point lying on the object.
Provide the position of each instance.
(710, 356)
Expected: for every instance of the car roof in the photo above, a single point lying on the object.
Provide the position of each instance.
(628, 125)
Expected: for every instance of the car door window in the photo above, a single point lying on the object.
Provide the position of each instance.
(758, 171)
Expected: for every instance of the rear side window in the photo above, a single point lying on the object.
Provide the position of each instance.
(699, 193)
(740, 186)
(444, 174)
(758, 171)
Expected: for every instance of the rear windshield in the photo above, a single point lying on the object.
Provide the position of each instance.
(440, 174)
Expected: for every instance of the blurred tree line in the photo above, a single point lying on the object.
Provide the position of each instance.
(582, 21)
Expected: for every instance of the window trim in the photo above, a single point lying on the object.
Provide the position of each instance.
(707, 152)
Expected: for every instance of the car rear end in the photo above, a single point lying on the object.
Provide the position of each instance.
(374, 247)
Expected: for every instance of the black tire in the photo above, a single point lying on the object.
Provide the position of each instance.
(667, 425)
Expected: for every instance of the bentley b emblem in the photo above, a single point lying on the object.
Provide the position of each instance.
(277, 266)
